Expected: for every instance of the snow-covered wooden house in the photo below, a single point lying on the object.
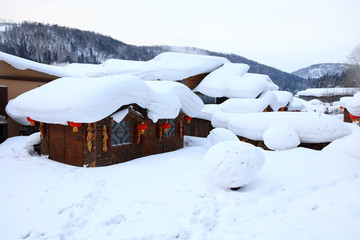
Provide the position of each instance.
(351, 108)
(107, 120)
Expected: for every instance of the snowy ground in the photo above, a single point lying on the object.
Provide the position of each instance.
(298, 194)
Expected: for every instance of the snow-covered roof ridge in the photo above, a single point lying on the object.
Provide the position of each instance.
(319, 92)
(23, 64)
(89, 100)
(165, 66)
(233, 81)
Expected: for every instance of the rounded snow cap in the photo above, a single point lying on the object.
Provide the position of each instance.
(232, 164)
(280, 137)
(218, 135)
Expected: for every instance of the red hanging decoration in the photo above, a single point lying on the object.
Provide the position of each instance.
(188, 119)
(142, 127)
(341, 107)
(165, 126)
(282, 109)
(75, 126)
(354, 118)
(32, 122)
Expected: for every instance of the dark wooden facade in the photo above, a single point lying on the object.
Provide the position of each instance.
(3, 115)
(347, 116)
(95, 144)
(198, 127)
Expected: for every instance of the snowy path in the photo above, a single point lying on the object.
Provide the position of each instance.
(299, 194)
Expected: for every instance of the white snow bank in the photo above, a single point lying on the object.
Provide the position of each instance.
(232, 81)
(218, 135)
(20, 146)
(165, 66)
(346, 146)
(320, 92)
(88, 100)
(279, 137)
(310, 127)
(233, 164)
(23, 64)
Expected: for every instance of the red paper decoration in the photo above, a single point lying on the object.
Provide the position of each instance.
(188, 119)
(75, 126)
(32, 122)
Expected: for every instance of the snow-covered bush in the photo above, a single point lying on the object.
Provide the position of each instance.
(280, 137)
(218, 135)
(232, 164)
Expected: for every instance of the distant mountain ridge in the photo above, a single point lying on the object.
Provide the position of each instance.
(51, 44)
(317, 71)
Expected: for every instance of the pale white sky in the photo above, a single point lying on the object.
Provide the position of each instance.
(284, 34)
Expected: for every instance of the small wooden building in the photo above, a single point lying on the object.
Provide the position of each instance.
(107, 120)
(107, 142)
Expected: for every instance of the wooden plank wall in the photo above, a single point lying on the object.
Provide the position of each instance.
(198, 128)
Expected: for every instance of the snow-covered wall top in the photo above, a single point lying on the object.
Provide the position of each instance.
(310, 127)
(233, 81)
(322, 92)
(23, 64)
(165, 66)
(89, 100)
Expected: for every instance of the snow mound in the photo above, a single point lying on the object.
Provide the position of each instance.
(218, 135)
(233, 164)
(89, 100)
(310, 127)
(232, 81)
(20, 146)
(279, 137)
(346, 146)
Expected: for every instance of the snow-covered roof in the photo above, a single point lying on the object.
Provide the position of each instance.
(310, 127)
(89, 100)
(233, 81)
(23, 64)
(283, 97)
(165, 66)
(352, 104)
(321, 92)
(220, 114)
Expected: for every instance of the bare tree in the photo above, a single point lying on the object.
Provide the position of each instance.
(353, 73)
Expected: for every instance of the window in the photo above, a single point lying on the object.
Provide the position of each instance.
(120, 133)
(207, 99)
(171, 131)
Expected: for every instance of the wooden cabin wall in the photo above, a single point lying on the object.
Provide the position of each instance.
(347, 116)
(193, 81)
(198, 127)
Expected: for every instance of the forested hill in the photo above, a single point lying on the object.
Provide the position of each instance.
(55, 44)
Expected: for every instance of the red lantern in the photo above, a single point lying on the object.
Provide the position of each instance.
(75, 126)
(188, 119)
(165, 126)
(142, 127)
(282, 109)
(32, 122)
(341, 107)
(354, 118)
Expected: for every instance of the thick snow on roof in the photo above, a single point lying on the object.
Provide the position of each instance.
(165, 66)
(220, 114)
(283, 97)
(23, 64)
(233, 81)
(352, 104)
(319, 92)
(88, 100)
(310, 127)
(297, 104)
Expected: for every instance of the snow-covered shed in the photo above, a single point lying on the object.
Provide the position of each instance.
(328, 95)
(107, 120)
(351, 107)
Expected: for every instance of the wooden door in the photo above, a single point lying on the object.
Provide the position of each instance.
(65, 145)
(149, 139)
